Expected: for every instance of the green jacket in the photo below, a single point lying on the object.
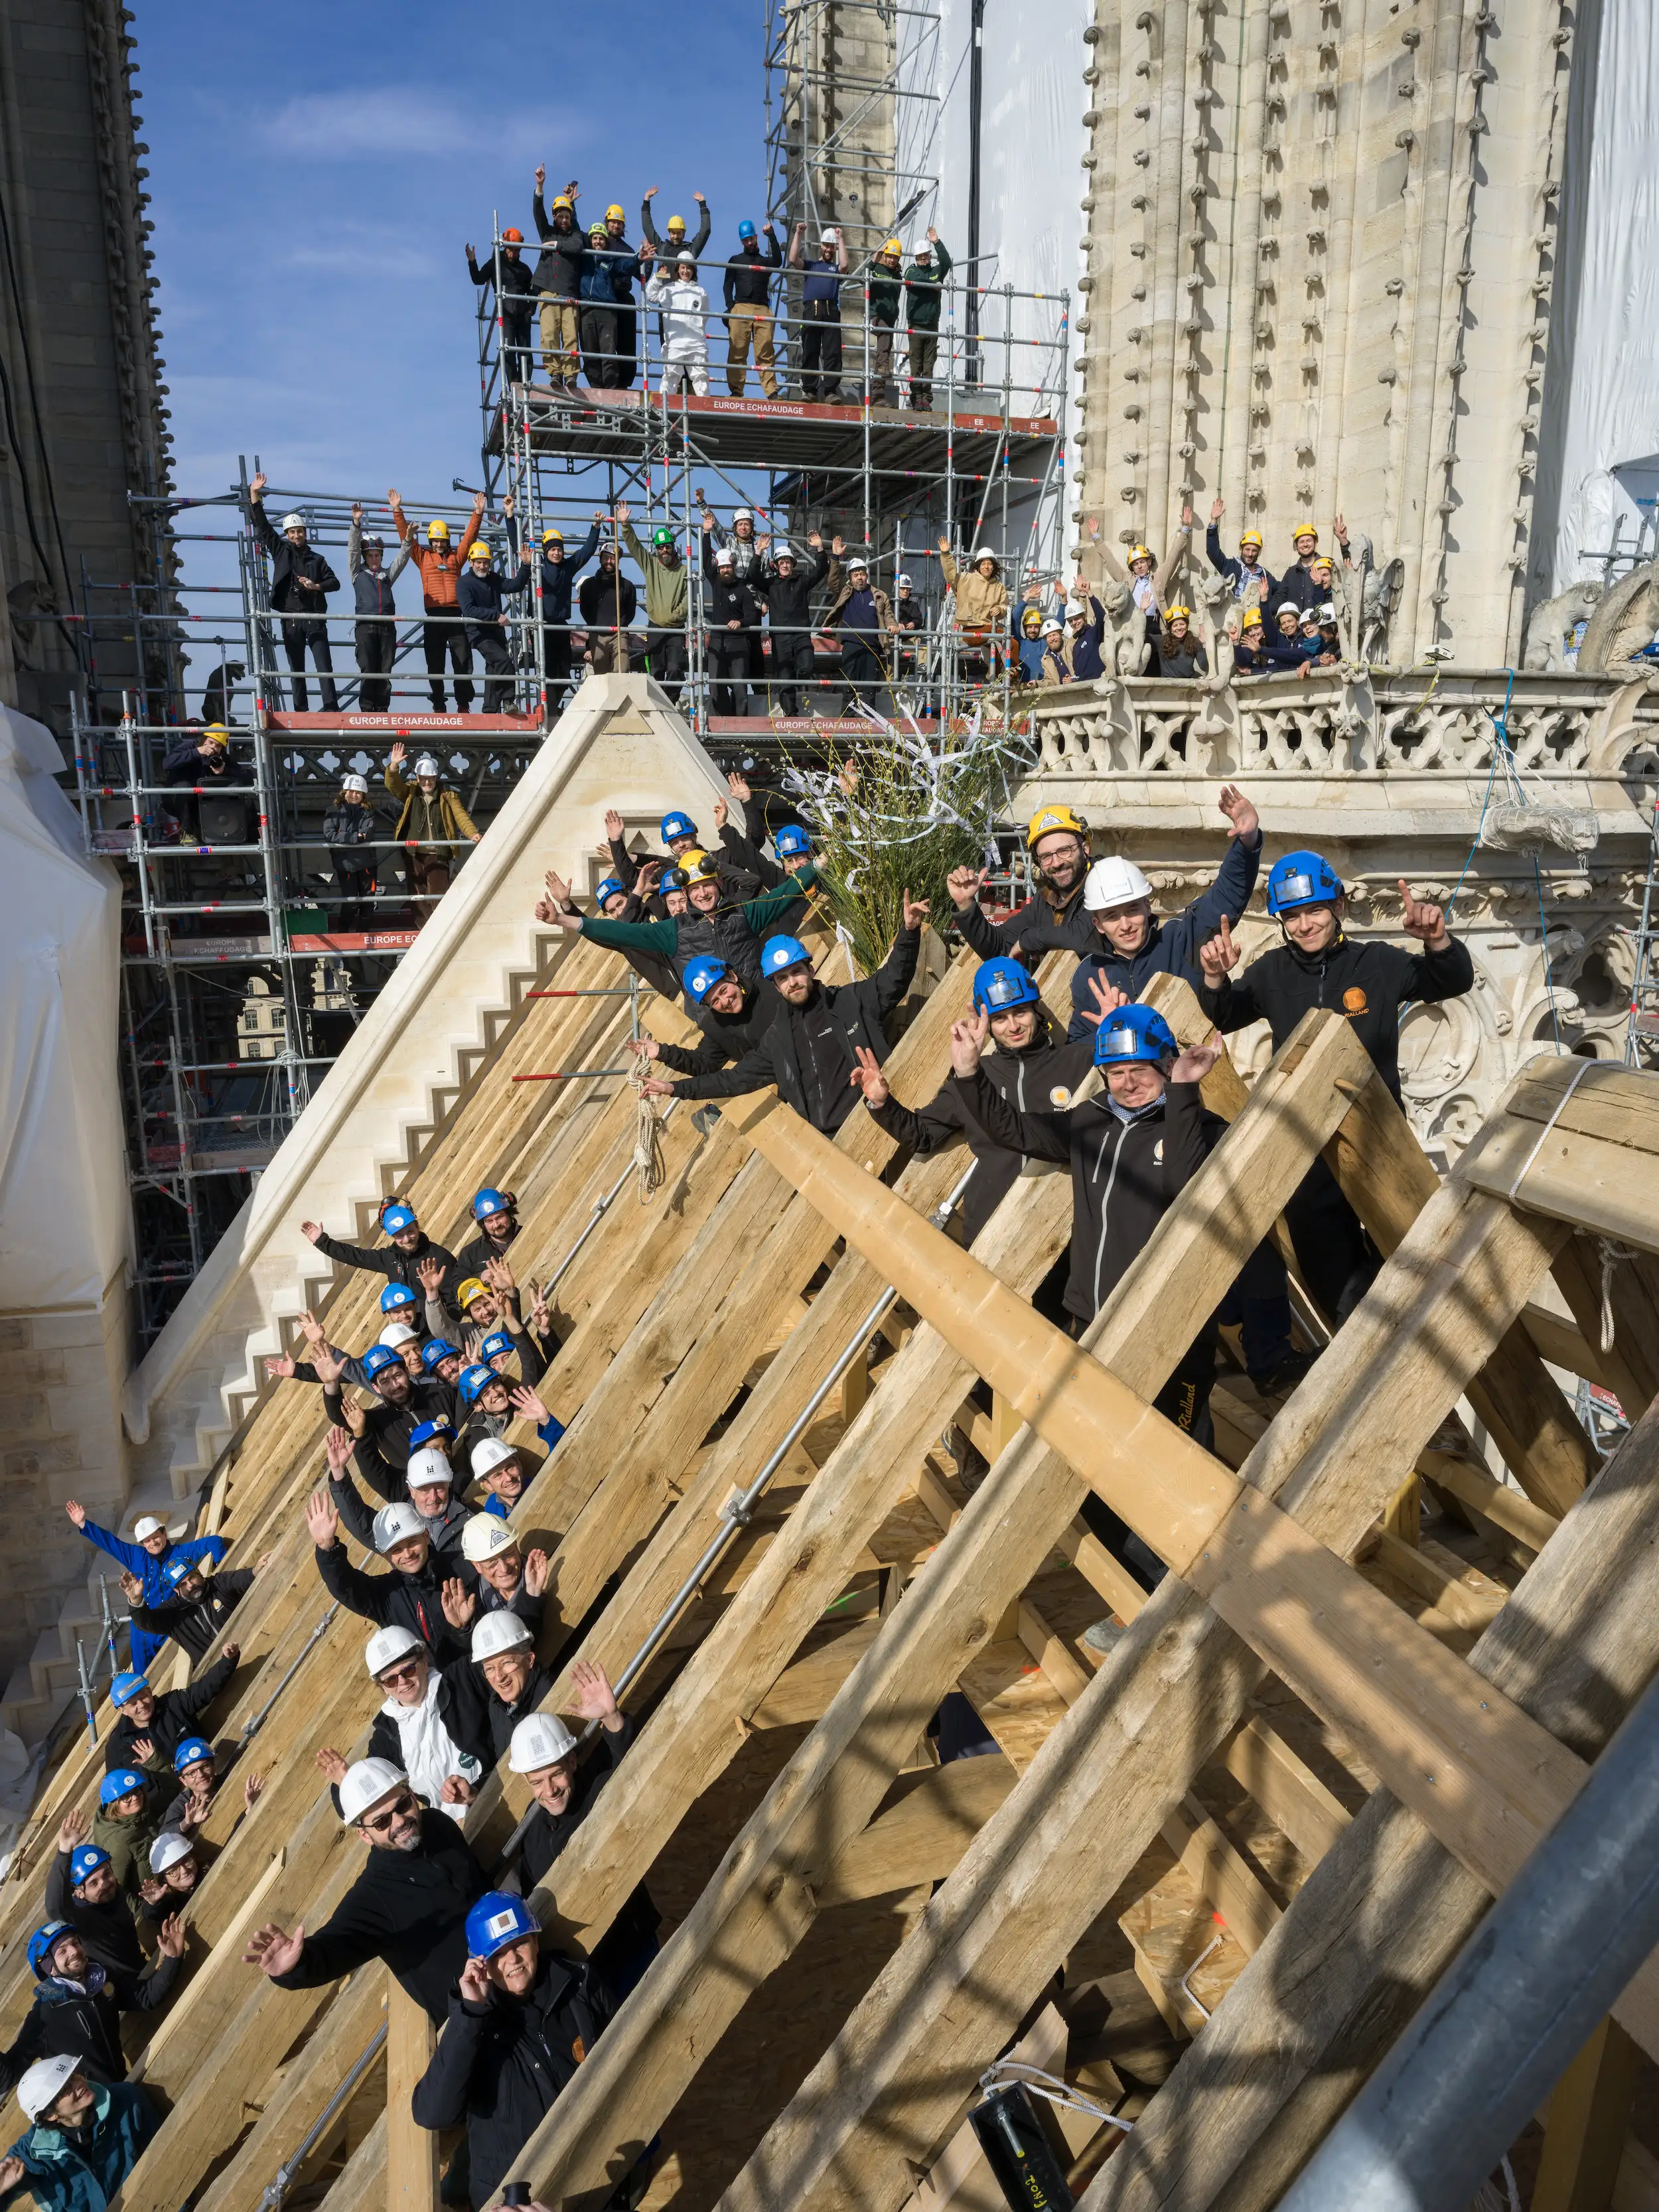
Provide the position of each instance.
(731, 934)
(922, 288)
(664, 588)
(128, 1842)
(883, 292)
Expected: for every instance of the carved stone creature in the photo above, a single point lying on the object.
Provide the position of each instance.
(1626, 620)
(1549, 627)
(1367, 638)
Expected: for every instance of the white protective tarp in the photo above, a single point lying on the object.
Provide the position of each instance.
(1601, 461)
(64, 1216)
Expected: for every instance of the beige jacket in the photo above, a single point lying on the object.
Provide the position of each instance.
(981, 604)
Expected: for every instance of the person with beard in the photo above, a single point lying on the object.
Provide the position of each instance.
(730, 1016)
(1057, 840)
(412, 1595)
(397, 1259)
(78, 2003)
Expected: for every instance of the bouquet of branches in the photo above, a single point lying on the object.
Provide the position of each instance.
(901, 817)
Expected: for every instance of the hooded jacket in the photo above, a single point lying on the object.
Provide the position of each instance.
(499, 2065)
(82, 2020)
(170, 1722)
(407, 1908)
(809, 1051)
(193, 1623)
(82, 2169)
(1126, 1172)
(1037, 1081)
(598, 595)
(981, 602)
(684, 306)
(1171, 947)
(287, 564)
(1368, 983)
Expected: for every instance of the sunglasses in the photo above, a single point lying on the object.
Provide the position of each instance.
(398, 1809)
(395, 1675)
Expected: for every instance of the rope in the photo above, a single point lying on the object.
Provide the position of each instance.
(1611, 1253)
(651, 1168)
(1010, 2073)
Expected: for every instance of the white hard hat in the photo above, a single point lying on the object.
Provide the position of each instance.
(354, 782)
(293, 522)
(148, 1525)
(724, 556)
(922, 250)
(901, 583)
(396, 1333)
(785, 552)
(1114, 882)
(429, 1464)
(387, 1645)
(167, 1850)
(742, 514)
(1074, 607)
(855, 561)
(1055, 624)
(497, 1632)
(1327, 613)
(982, 553)
(491, 1451)
(427, 766)
(486, 1536)
(43, 2083)
(366, 1783)
(396, 1524)
(540, 1740)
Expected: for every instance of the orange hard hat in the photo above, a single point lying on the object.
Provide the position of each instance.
(512, 237)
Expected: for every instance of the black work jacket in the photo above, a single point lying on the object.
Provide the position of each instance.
(412, 1602)
(85, 2025)
(170, 1722)
(559, 269)
(397, 1267)
(288, 562)
(193, 1623)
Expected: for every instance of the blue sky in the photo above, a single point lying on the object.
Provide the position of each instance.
(316, 172)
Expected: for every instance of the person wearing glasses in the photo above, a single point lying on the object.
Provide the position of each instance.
(408, 1907)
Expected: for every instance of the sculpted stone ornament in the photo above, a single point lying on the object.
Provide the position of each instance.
(1627, 619)
(1550, 626)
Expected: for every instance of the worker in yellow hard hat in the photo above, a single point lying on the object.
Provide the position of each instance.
(1180, 654)
(558, 278)
(611, 269)
(1057, 841)
(884, 287)
(482, 595)
(1252, 586)
(440, 561)
(749, 308)
(667, 249)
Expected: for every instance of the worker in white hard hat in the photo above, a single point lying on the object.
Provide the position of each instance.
(821, 276)
(408, 1906)
(351, 828)
(565, 1785)
(300, 580)
(420, 1585)
(419, 1730)
(433, 822)
(83, 2140)
(146, 1558)
(982, 607)
(509, 1579)
(506, 1681)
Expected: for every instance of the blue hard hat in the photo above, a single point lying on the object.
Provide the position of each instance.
(397, 1217)
(190, 1752)
(745, 229)
(495, 1344)
(430, 1432)
(780, 952)
(489, 1201)
(1301, 879)
(608, 890)
(674, 879)
(677, 825)
(1001, 985)
(701, 976)
(397, 1297)
(475, 1379)
(1133, 1033)
(173, 1573)
(85, 1860)
(122, 1783)
(497, 1919)
(437, 1349)
(791, 841)
(42, 1943)
(125, 1687)
(377, 1359)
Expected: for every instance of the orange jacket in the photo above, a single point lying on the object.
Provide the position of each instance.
(438, 569)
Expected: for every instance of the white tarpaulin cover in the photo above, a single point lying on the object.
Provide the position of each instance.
(1607, 413)
(64, 1215)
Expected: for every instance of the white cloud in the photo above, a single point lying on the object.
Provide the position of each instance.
(396, 121)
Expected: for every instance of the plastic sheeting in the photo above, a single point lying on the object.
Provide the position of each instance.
(64, 1215)
(1606, 411)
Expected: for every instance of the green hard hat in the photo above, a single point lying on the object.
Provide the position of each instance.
(662, 536)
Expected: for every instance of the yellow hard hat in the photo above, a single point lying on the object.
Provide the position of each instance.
(1251, 538)
(894, 245)
(477, 550)
(548, 536)
(614, 214)
(1303, 530)
(469, 1292)
(1141, 553)
(563, 201)
(217, 730)
(1323, 561)
(1252, 619)
(437, 527)
(699, 868)
(1177, 613)
(1050, 818)
(677, 222)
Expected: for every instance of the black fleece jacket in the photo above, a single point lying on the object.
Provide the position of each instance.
(414, 1601)
(169, 1724)
(407, 1907)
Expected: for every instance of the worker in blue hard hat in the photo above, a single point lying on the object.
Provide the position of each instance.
(1032, 1066)
(729, 1013)
(127, 1821)
(83, 1888)
(811, 1049)
(1369, 981)
(196, 1766)
(77, 2008)
(198, 1604)
(521, 2021)
(150, 1724)
(496, 1213)
(749, 308)
(712, 923)
(399, 1258)
(145, 1559)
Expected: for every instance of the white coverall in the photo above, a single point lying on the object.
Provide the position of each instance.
(684, 305)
